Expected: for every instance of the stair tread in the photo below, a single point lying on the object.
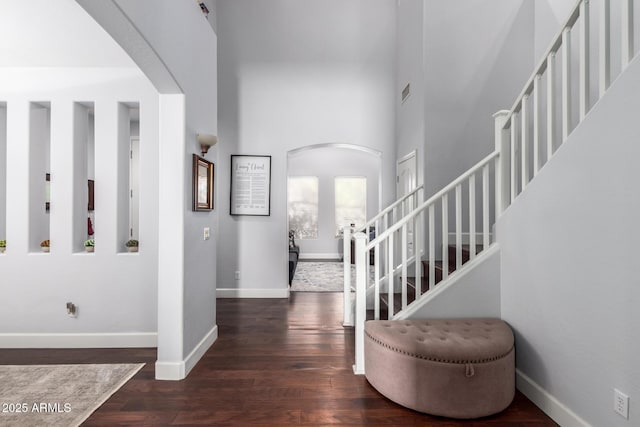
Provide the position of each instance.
(411, 281)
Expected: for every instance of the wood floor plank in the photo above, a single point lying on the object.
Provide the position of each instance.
(277, 362)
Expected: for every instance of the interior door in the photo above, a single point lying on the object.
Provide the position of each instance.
(406, 181)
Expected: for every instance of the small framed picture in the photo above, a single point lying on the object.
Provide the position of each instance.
(90, 197)
(202, 184)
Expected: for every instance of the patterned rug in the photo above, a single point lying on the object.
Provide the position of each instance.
(322, 277)
(57, 395)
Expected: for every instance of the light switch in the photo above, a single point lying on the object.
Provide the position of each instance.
(207, 233)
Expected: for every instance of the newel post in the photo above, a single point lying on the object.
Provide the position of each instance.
(361, 300)
(502, 165)
(347, 317)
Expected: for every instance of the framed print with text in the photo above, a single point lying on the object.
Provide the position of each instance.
(250, 185)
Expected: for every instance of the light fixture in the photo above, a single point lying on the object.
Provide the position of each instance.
(206, 141)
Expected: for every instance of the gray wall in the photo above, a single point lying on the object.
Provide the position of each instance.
(475, 294)
(569, 265)
(476, 64)
(294, 74)
(188, 48)
(326, 164)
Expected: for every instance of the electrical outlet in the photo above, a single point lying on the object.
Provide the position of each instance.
(207, 233)
(237, 275)
(72, 309)
(621, 403)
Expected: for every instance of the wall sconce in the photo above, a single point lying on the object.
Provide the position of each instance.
(206, 141)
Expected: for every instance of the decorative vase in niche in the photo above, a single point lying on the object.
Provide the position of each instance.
(44, 248)
(132, 248)
(2, 250)
(89, 248)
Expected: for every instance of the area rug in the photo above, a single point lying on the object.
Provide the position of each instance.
(322, 277)
(57, 395)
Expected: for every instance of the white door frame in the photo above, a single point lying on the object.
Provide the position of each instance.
(412, 156)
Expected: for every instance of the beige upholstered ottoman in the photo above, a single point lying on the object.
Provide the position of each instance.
(458, 368)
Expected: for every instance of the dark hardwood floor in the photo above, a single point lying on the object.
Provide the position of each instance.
(276, 363)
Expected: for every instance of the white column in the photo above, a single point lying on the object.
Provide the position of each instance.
(627, 32)
(347, 315)
(18, 177)
(502, 167)
(604, 49)
(551, 96)
(566, 83)
(3, 169)
(62, 169)
(171, 210)
(106, 174)
(361, 303)
(524, 149)
(536, 124)
(584, 79)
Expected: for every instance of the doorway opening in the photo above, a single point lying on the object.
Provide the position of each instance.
(328, 186)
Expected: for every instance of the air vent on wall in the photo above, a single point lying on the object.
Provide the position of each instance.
(204, 8)
(406, 91)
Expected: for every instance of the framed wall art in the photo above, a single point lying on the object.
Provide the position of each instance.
(202, 184)
(250, 185)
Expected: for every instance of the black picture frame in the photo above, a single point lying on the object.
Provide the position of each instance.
(250, 185)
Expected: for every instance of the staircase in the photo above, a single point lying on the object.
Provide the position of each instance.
(450, 232)
(438, 272)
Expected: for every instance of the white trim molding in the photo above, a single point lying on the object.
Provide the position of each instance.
(200, 349)
(88, 340)
(171, 371)
(330, 256)
(175, 371)
(548, 403)
(252, 293)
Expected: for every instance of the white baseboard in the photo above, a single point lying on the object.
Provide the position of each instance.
(176, 371)
(306, 255)
(252, 293)
(548, 403)
(171, 371)
(97, 340)
(199, 350)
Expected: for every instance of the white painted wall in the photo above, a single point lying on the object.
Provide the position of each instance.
(550, 15)
(187, 44)
(475, 294)
(294, 74)
(410, 69)
(115, 292)
(478, 56)
(569, 270)
(327, 164)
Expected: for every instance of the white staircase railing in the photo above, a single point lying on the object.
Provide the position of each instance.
(525, 139)
(383, 220)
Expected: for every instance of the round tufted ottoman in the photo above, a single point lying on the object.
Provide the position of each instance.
(458, 368)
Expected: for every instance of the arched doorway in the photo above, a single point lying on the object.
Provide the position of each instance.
(326, 186)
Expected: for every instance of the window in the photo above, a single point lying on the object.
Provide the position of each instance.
(302, 206)
(351, 201)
